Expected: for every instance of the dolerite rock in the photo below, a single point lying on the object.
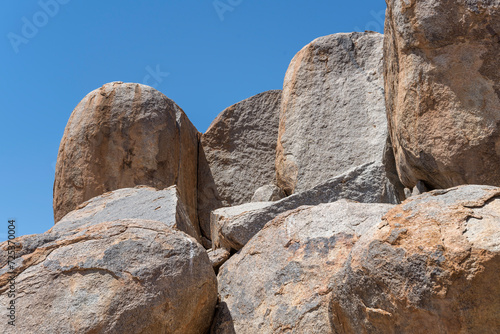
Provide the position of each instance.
(141, 202)
(443, 90)
(431, 266)
(126, 276)
(233, 227)
(332, 113)
(280, 281)
(122, 135)
(237, 154)
(268, 193)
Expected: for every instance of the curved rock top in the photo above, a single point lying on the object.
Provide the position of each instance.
(122, 135)
(332, 112)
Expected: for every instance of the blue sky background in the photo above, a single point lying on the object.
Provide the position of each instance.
(214, 58)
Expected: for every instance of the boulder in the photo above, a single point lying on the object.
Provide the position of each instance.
(125, 276)
(120, 136)
(141, 202)
(280, 281)
(430, 266)
(442, 88)
(218, 257)
(268, 193)
(233, 227)
(237, 154)
(333, 111)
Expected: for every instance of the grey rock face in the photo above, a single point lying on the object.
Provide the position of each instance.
(125, 276)
(268, 193)
(120, 136)
(430, 266)
(233, 227)
(132, 203)
(237, 154)
(333, 111)
(280, 281)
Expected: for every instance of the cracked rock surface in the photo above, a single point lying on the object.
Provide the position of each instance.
(430, 266)
(280, 281)
(124, 276)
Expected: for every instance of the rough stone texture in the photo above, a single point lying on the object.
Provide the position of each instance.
(233, 227)
(237, 154)
(333, 111)
(431, 266)
(218, 257)
(140, 202)
(443, 90)
(126, 276)
(280, 281)
(268, 193)
(122, 135)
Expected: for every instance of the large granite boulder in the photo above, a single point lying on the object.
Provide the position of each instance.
(141, 202)
(122, 135)
(432, 265)
(333, 111)
(442, 86)
(233, 227)
(280, 281)
(125, 276)
(237, 154)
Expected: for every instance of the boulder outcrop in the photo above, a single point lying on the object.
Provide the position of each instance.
(442, 87)
(430, 266)
(120, 136)
(280, 281)
(233, 227)
(141, 202)
(237, 154)
(332, 114)
(125, 276)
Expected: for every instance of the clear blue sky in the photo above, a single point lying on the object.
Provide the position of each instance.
(216, 53)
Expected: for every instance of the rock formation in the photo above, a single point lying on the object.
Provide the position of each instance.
(430, 266)
(122, 135)
(332, 113)
(141, 202)
(125, 276)
(237, 154)
(442, 87)
(233, 227)
(280, 281)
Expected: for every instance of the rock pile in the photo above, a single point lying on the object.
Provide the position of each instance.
(285, 216)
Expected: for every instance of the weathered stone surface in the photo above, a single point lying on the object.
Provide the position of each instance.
(431, 266)
(333, 112)
(140, 202)
(122, 135)
(126, 276)
(218, 257)
(237, 154)
(443, 90)
(280, 281)
(233, 227)
(268, 193)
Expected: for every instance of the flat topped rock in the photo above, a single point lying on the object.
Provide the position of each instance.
(132, 203)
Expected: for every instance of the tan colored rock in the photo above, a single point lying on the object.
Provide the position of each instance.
(431, 266)
(141, 202)
(126, 276)
(280, 281)
(268, 193)
(120, 136)
(333, 111)
(237, 154)
(442, 84)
